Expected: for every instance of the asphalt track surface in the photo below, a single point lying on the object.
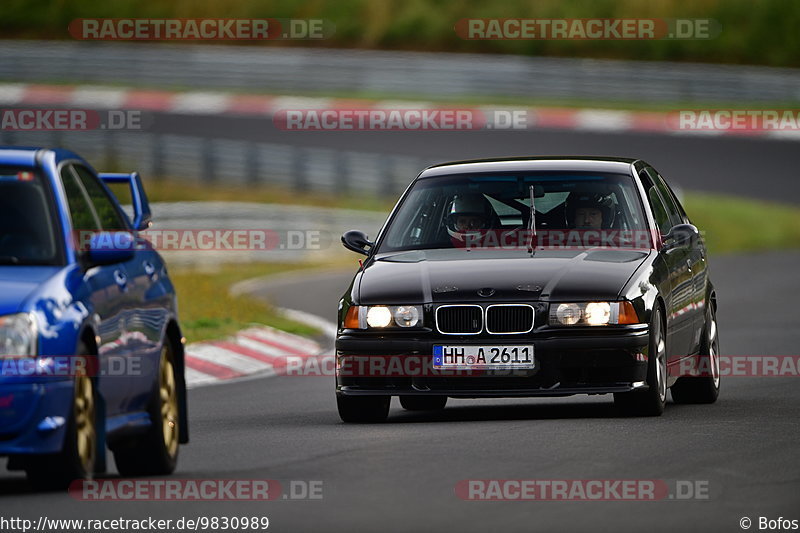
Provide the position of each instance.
(400, 476)
(747, 166)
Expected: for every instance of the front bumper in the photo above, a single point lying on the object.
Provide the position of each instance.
(33, 415)
(580, 362)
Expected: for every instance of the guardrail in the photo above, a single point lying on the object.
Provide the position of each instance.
(415, 74)
(234, 162)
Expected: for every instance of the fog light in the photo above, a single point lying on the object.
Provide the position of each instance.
(406, 316)
(568, 314)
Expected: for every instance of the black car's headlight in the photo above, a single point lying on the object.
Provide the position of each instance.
(592, 313)
(383, 316)
(18, 334)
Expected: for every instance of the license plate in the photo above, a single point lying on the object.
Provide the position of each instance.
(470, 356)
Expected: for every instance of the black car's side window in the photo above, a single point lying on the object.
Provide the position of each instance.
(110, 219)
(673, 212)
(83, 216)
(682, 212)
(656, 204)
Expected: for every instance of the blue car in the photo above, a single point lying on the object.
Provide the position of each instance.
(91, 352)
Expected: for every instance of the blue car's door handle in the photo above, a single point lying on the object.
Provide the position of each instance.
(121, 279)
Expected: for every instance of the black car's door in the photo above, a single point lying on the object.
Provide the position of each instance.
(679, 320)
(696, 256)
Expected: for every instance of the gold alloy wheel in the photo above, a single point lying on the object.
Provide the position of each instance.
(168, 396)
(85, 431)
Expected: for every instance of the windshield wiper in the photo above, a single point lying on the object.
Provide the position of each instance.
(532, 220)
(9, 259)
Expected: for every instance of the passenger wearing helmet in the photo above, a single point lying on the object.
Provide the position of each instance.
(469, 215)
(586, 210)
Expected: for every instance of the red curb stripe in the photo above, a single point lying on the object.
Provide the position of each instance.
(248, 104)
(150, 100)
(647, 121)
(207, 367)
(277, 361)
(47, 94)
(555, 118)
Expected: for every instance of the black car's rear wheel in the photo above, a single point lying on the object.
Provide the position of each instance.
(649, 402)
(156, 452)
(705, 388)
(363, 409)
(423, 403)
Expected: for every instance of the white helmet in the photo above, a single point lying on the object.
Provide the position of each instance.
(474, 210)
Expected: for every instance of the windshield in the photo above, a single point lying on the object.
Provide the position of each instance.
(493, 210)
(27, 234)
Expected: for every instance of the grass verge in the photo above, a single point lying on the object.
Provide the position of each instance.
(207, 310)
(734, 224)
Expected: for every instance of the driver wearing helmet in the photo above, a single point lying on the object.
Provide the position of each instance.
(587, 210)
(469, 216)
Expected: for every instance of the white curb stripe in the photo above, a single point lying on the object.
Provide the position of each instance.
(195, 377)
(602, 120)
(200, 103)
(90, 96)
(220, 356)
(12, 93)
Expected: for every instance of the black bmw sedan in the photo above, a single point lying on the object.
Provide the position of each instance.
(529, 277)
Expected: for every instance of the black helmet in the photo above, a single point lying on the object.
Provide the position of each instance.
(594, 200)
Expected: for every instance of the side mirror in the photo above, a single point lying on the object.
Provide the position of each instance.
(681, 235)
(106, 248)
(357, 241)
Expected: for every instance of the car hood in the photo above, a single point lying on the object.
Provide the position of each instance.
(18, 282)
(456, 275)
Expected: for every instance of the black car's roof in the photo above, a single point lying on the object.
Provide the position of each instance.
(525, 164)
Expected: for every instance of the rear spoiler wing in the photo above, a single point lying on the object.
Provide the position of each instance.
(141, 208)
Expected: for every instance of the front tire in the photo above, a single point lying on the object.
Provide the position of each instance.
(649, 402)
(363, 409)
(156, 453)
(702, 389)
